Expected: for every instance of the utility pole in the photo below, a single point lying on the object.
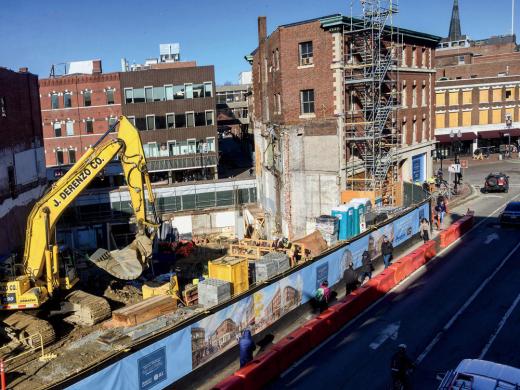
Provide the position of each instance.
(513, 17)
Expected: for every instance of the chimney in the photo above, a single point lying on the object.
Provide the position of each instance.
(262, 59)
(96, 66)
(23, 69)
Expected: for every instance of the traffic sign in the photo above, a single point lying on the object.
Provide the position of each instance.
(464, 164)
(454, 168)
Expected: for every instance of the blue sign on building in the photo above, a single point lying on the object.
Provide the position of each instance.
(152, 369)
(419, 168)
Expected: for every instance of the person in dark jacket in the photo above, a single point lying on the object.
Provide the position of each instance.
(401, 365)
(367, 266)
(246, 345)
(387, 250)
(350, 279)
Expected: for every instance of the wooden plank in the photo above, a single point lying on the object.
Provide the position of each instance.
(144, 311)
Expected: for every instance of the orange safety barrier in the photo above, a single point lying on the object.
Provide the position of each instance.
(429, 250)
(232, 382)
(387, 278)
(260, 371)
(333, 319)
(319, 331)
(418, 257)
(400, 271)
(292, 347)
(348, 308)
(366, 295)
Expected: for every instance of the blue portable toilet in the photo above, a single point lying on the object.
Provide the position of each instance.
(339, 213)
(362, 206)
(349, 213)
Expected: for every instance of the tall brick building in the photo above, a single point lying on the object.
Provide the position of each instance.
(173, 106)
(77, 108)
(477, 90)
(300, 112)
(22, 167)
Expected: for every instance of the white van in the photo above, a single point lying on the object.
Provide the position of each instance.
(474, 374)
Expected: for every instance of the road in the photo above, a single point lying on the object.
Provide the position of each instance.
(464, 304)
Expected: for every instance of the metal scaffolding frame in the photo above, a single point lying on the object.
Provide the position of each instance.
(371, 96)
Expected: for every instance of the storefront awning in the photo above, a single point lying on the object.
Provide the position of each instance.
(443, 138)
(490, 134)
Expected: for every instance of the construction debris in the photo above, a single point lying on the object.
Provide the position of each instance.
(144, 311)
(213, 291)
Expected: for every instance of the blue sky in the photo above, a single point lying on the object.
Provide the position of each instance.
(219, 32)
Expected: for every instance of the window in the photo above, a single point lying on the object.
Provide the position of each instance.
(307, 101)
(173, 148)
(160, 122)
(423, 96)
(496, 116)
(200, 119)
(159, 94)
(110, 96)
(70, 127)
(440, 120)
(414, 56)
(72, 156)
(129, 95)
(111, 122)
(189, 91)
(440, 99)
(209, 118)
(510, 112)
(497, 95)
(404, 95)
(87, 98)
(210, 142)
(138, 94)
(453, 119)
(170, 121)
(192, 146)
(306, 55)
(403, 130)
(403, 57)
(131, 119)
(148, 94)
(510, 94)
(150, 122)
(466, 97)
(208, 89)
(57, 129)
(3, 107)
(483, 117)
(454, 98)
(466, 118)
(278, 101)
(414, 96)
(423, 62)
(180, 120)
(277, 59)
(414, 131)
(198, 90)
(168, 91)
(178, 92)
(59, 157)
(483, 96)
(190, 119)
(461, 60)
(140, 123)
(151, 149)
(67, 100)
(55, 103)
(89, 126)
(423, 131)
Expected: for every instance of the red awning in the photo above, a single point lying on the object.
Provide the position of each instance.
(443, 138)
(490, 134)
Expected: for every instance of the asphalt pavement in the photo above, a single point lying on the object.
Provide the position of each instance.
(464, 304)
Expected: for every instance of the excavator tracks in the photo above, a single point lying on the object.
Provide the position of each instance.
(27, 330)
(88, 309)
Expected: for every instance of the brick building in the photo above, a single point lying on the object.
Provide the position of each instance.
(77, 108)
(477, 90)
(173, 106)
(22, 168)
(233, 109)
(301, 106)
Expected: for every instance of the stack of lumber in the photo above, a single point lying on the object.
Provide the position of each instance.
(144, 311)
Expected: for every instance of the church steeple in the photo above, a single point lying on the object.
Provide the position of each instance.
(455, 32)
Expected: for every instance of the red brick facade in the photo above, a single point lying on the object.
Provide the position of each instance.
(99, 112)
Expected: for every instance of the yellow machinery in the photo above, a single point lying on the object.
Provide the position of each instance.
(45, 271)
(162, 287)
(231, 269)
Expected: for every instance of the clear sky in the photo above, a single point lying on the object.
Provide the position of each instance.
(39, 33)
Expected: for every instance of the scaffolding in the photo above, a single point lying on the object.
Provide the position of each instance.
(371, 80)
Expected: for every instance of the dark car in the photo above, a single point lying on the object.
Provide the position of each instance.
(496, 182)
(511, 214)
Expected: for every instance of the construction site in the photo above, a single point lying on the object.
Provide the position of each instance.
(332, 184)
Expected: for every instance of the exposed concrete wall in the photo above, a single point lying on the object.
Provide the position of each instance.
(320, 152)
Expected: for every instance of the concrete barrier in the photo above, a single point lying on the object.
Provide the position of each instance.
(260, 371)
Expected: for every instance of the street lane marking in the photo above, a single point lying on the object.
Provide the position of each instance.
(500, 326)
(490, 238)
(465, 306)
(391, 331)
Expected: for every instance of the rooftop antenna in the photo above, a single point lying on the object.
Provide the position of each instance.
(513, 17)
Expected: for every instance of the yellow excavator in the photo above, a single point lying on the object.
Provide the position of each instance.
(45, 272)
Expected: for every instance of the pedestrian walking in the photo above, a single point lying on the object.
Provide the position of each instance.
(387, 250)
(425, 230)
(350, 279)
(322, 296)
(436, 216)
(367, 266)
(246, 346)
(442, 212)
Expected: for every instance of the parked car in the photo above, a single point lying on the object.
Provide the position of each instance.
(496, 182)
(511, 214)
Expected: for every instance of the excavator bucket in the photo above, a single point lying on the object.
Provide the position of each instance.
(127, 263)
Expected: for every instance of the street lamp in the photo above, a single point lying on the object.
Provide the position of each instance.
(456, 144)
(509, 124)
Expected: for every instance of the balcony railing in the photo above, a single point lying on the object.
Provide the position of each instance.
(201, 160)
